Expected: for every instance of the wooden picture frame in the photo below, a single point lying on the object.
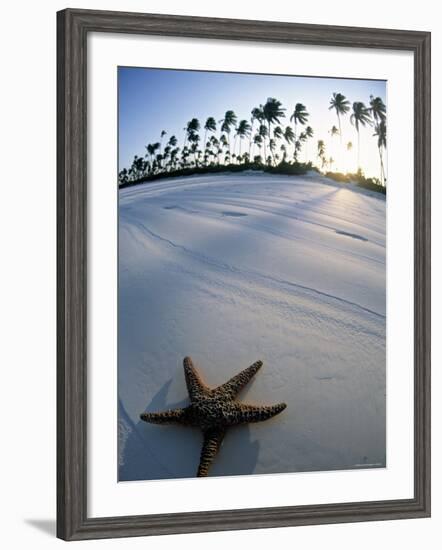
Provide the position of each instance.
(73, 27)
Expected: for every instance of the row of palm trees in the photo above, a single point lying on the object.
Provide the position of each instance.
(261, 140)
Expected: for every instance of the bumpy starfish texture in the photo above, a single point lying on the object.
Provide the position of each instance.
(214, 410)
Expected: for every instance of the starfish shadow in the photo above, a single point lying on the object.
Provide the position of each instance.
(238, 454)
(149, 452)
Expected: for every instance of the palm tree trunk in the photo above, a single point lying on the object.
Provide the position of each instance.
(250, 139)
(359, 150)
(270, 137)
(205, 143)
(382, 167)
(340, 130)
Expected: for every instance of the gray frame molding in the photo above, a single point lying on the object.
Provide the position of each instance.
(72, 28)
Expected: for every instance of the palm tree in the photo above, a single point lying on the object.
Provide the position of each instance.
(299, 115)
(228, 121)
(243, 130)
(333, 132)
(163, 133)
(378, 109)
(257, 140)
(341, 105)
(223, 141)
(152, 148)
(302, 139)
(272, 146)
(209, 126)
(360, 117)
(123, 176)
(215, 146)
(173, 157)
(194, 148)
(194, 139)
(138, 167)
(263, 134)
(289, 135)
(380, 130)
(155, 164)
(184, 155)
(277, 132)
(298, 147)
(379, 113)
(172, 141)
(166, 152)
(159, 160)
(192, 126)
(308, 135)
(272, 112)
(321, 152)
(258, 115)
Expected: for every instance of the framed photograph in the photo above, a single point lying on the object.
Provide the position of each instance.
(243, 274)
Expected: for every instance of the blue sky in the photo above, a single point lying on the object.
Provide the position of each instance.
(152, 100)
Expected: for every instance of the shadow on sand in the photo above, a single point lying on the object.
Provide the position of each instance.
(148, 451)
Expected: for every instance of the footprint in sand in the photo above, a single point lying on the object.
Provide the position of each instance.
(233, 214)
(352, 235)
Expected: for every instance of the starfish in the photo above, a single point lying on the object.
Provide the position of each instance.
(214, 410)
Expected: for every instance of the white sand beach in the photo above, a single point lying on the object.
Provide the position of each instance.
(232, 268)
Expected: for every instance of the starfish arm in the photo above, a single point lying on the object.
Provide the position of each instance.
(233, 386)
(195, 386)
(211, 446)
(255, 413)
(171, 416)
